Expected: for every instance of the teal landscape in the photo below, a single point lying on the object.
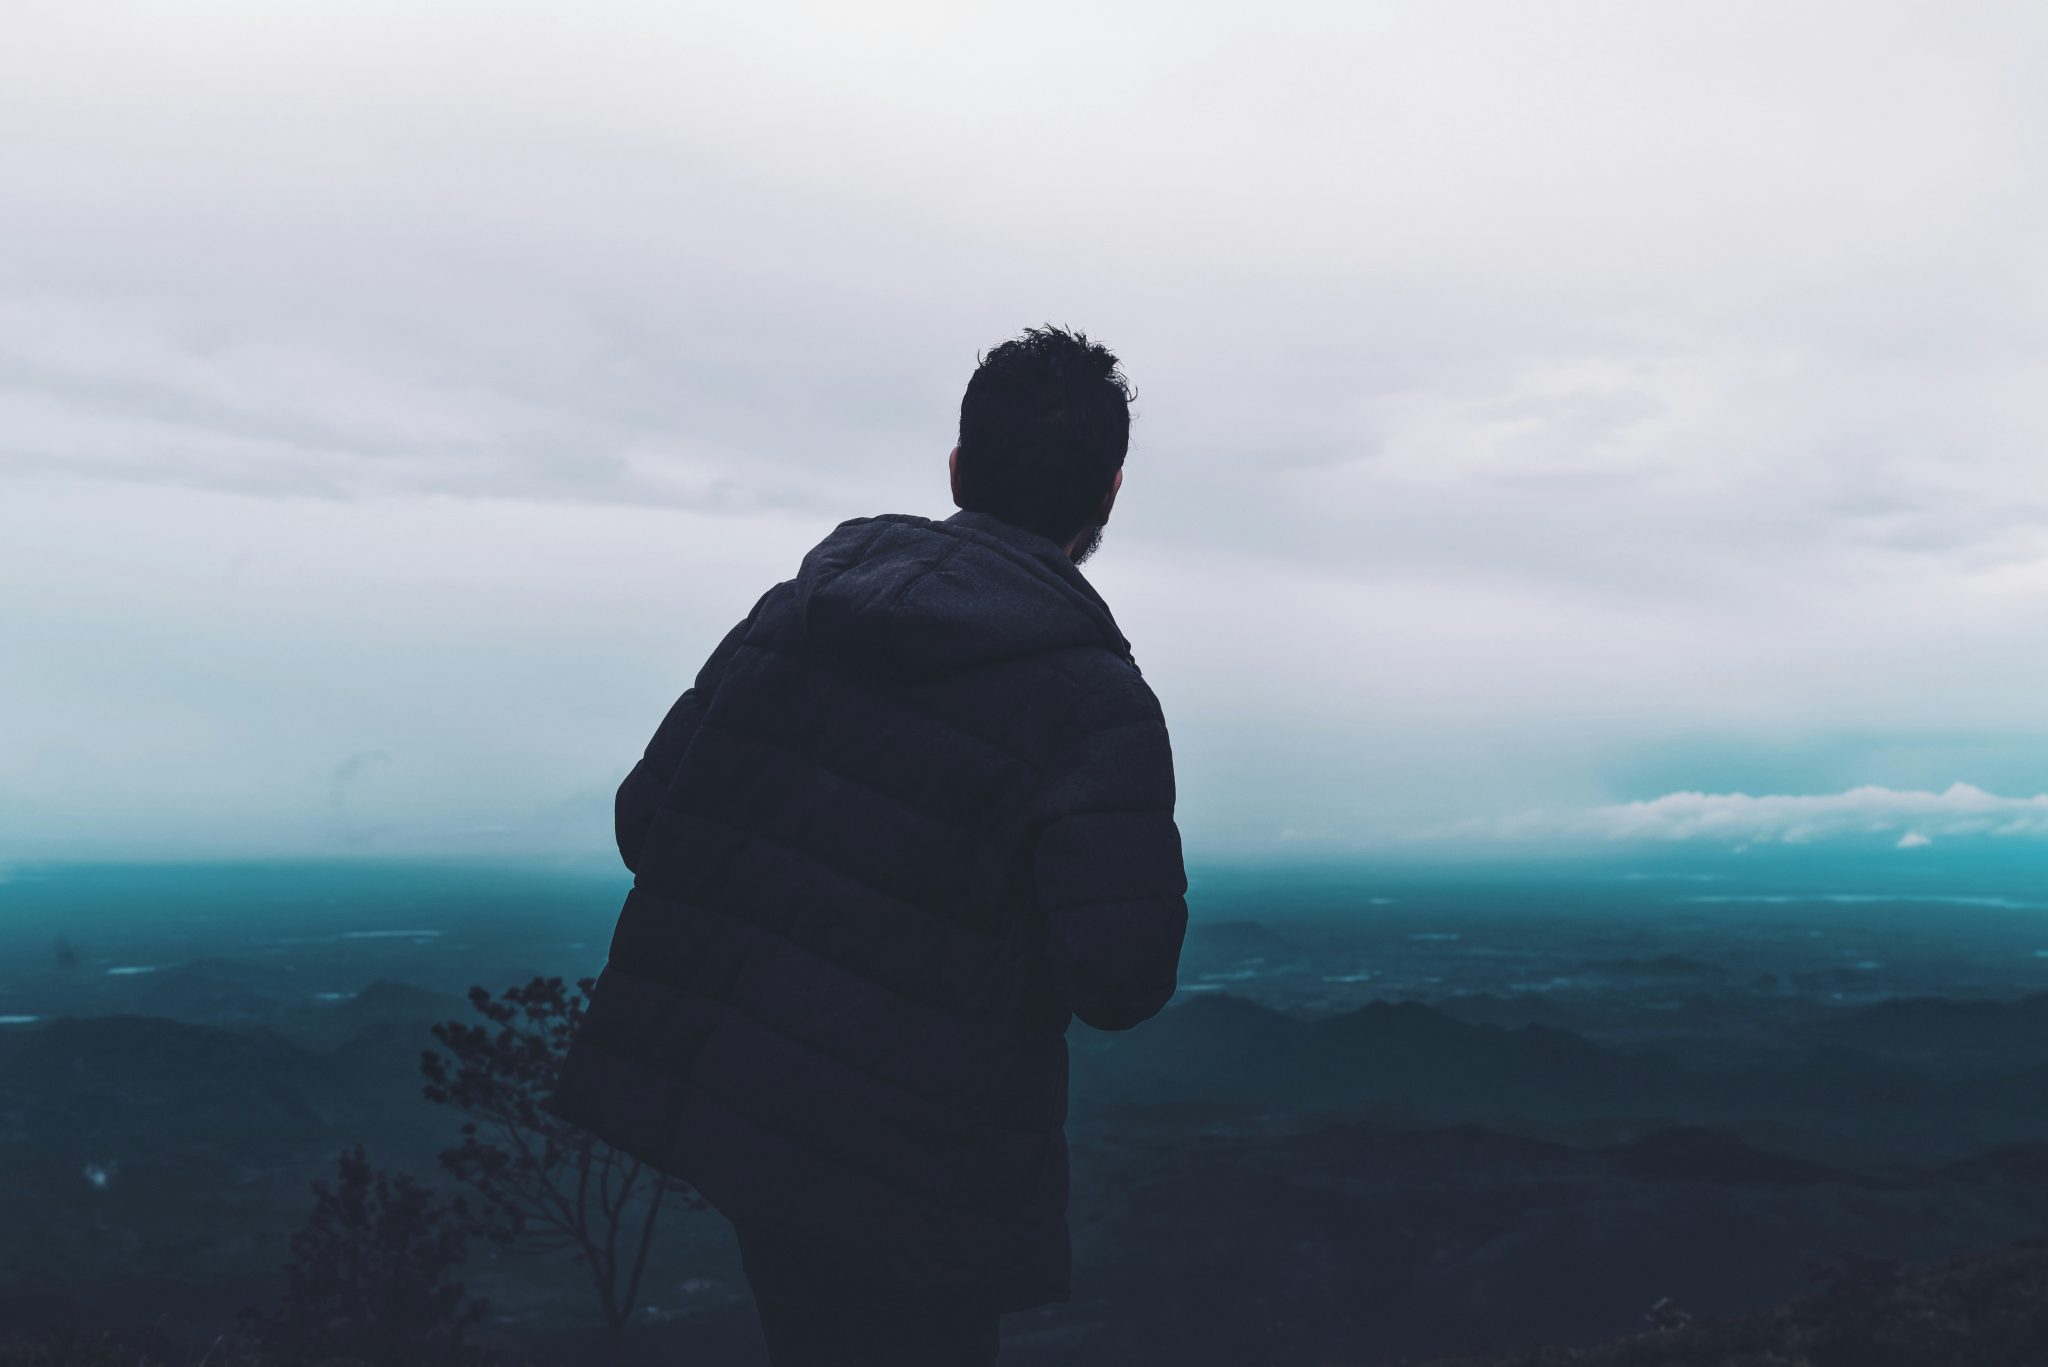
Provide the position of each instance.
(1394, 1112)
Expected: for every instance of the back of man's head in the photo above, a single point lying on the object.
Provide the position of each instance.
(1044, 427)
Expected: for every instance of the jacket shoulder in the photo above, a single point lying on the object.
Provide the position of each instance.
(1110, 691)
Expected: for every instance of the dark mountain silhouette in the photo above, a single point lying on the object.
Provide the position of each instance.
(2023, 1163)
(1518, 1009)
(1985, 1034)
(1423, 1055)
(382, 1011)
(1694, 1153)
(207, 991)
(107, 1077)
(1225, 1048)
(386, 1000)
(1221, 1049)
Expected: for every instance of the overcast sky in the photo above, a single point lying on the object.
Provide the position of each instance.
(1544, 410)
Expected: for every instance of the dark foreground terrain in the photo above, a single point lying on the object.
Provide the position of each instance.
(1384, 1126)
(1986, 1311)
(1990, 1310)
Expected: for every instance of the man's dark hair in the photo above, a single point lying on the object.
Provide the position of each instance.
(1044, 427)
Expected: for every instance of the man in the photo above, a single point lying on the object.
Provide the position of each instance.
(915, 814)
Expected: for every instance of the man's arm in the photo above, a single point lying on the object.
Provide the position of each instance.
(641, 792)
(1107, 859)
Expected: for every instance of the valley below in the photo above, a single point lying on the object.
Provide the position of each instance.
(1387, 1119)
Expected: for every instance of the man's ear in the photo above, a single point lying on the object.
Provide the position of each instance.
(953, 474)
(1109, 499)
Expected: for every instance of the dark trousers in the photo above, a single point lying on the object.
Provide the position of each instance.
(816, 1314)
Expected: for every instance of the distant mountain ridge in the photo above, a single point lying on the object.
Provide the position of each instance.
(2008, 1033)
(1225, 1049)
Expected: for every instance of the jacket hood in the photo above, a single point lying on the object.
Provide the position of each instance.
(912, 597)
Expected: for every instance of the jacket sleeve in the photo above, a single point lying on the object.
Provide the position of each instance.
(641, 792)
(1107, 862)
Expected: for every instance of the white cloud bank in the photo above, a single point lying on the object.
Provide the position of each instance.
(1918, 817)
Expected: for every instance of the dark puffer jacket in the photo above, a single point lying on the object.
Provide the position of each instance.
(914, 815)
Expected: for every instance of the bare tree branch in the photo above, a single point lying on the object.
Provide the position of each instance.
(552, 1187)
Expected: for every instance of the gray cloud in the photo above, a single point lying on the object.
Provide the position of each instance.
(1519, 386)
